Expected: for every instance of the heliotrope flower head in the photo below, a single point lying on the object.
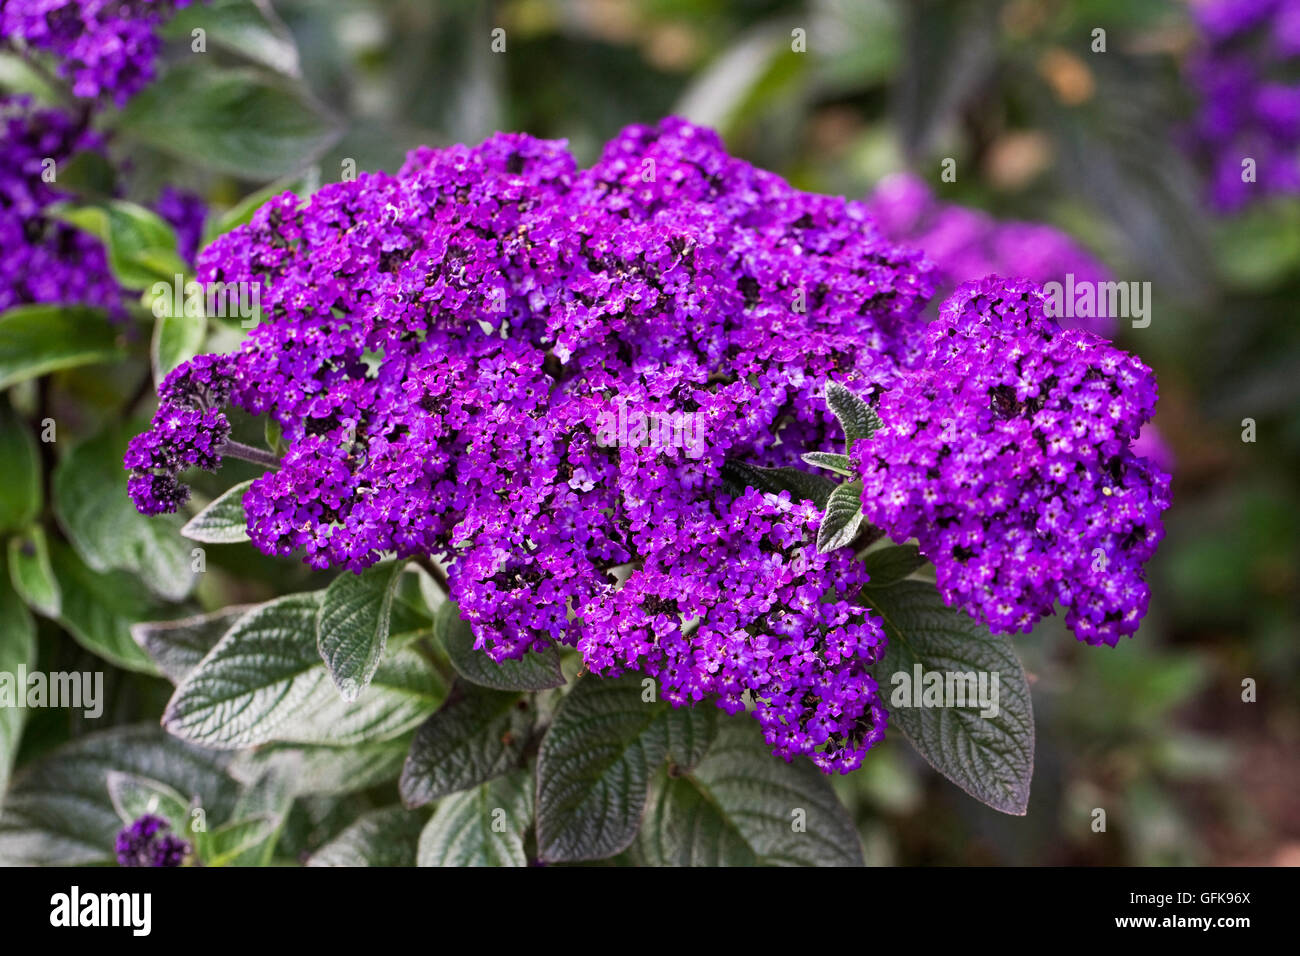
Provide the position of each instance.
(1006, 453)
(45, 260)
(967, 244)
(186, 212)
(1245, 75)
(443, 350)
(105, 49)
(147, 841)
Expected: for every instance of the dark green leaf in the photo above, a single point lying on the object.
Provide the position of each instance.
(481, 827)
(177, 338)
(840, 464)
(17, 649)
(265, 681)
(991, 758)
(98, 609)
(141, 245)
(38, 339)
(30, 571)
(889, 565)
(238, 122)
(741, 807)
(802, 485)
(473, 739)
(387, 837)
(597, 759)
(223, 521)
(20, 471)
(843, 517)
(352, 626)
(855, 416)
(535, 671)
(178, 646)
(94, 509)
(243, 27)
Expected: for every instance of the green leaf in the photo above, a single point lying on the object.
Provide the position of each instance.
(177, 338)
(31, 574)
(178, 646)
(840, 464)
(97, 609)
(352, 626)
(20, 471)
(742, 807)
(843, 517)
(266, 800)
(17, 650)
(242, 27)
(534, 671)
(230, 840)
(141, 244)
(802, 485)
(237, 122)
(326, 771)
(597, 759)
(59, 811)
(94, 509)
(133, 796)
(223, 521)
(991, 758)
(265, 681)
(481, 827)
(387, 837)
(890, 565)
(38, 339)
(474, 738)
(855, 416)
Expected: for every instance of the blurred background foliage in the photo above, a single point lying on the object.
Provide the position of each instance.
(1042, 128)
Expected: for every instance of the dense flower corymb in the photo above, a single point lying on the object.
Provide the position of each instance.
(1006, 453)
(45, 260)
(1250, 100)
(439, 348)
(104, 48)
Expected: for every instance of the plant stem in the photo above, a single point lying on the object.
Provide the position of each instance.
(248, 453)
(438, 574)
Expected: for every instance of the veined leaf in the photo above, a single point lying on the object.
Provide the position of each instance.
(597, 759)
(223, 521)
(990, 757)
(474, 738)
(481, 827)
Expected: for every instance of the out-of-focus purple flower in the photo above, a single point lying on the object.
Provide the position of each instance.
(968, 244)
(147, 842)
(186, 212)
(1007, 454)
(104, 48)
(45, 260)
(1249, 113)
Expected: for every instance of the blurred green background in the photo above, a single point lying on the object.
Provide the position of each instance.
(1155, 732)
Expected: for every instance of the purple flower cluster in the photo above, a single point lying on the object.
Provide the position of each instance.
(186, 212)
(104, 48)
(45, 260)
(1006, 453)
(967, 244)
(439, 347)
(146, 842)
(1245, 75)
